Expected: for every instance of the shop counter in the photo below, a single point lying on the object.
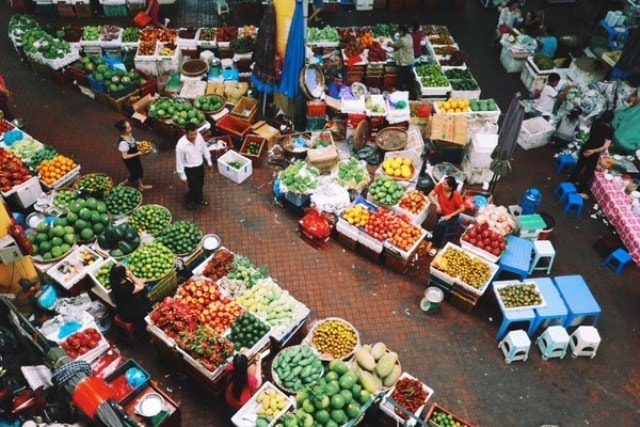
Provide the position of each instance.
(616, 204)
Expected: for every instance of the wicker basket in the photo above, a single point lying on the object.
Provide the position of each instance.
(392, 139)
(327, 358)
(39, 259)
(214, 112)
(156, 207)
(275, 377)
(78, 183)
(194, 68)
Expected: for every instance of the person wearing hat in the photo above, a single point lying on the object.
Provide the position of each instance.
(191, 155)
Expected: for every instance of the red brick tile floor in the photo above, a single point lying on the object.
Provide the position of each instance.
(453, 352)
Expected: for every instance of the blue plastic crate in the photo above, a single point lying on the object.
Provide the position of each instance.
(96, 85)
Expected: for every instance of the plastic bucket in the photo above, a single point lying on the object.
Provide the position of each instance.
(433, 296)
(550, 223)
(530, 201)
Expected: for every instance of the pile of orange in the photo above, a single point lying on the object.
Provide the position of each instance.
(52, 170)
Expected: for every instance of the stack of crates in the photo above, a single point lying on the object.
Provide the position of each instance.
(113, 8)
(477, 159)
(530, 226)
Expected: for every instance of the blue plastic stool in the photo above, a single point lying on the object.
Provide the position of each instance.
(573, 204)
(564, 189)
(618, 260)
(565, 163)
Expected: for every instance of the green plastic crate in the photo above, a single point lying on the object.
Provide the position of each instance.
(316, 123)
(531, 226)
(115, 10)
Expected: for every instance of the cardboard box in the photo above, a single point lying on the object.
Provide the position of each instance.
(140, 107)
(450, 128)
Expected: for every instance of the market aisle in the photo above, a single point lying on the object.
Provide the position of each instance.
(455, 353)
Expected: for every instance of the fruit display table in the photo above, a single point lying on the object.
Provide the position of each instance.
(616, 204)
(581, 304)
(517, 257)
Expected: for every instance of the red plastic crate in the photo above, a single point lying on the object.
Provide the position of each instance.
(234, 126)
(354, 118)
(316, 108)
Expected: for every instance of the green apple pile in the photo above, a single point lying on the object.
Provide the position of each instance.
(182, 237)
(89, 218)
(51, 241)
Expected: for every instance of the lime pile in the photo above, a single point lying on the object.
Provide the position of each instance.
(52, 241)
(122, 200)
(151, 261)
(209, 103)
(246, 331)
(150, 219)
(120, 240)
(89, 218)
(182, 237)
(94, 184)
(63, 198)
(102, 275)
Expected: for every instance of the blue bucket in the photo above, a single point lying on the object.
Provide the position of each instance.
(48, 298)
(12, 137)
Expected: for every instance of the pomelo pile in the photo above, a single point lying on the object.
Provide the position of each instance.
(88, 218)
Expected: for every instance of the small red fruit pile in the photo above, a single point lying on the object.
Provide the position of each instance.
(81, 342)
(12, 171)
(5, 126)
(483, 237)
(405, 236)
(414, 201)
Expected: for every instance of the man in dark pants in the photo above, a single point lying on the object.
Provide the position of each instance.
(191, 154)
(599, 140)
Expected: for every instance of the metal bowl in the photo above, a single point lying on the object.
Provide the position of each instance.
(210, 242)
(150, 405)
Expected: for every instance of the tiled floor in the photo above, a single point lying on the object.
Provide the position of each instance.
(455, 353)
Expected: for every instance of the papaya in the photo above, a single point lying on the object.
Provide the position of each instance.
(365, 359)
(393, 377)
(125, 247)
(378, 350)
(386, 363)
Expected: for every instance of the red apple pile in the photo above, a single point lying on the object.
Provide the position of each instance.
(414, 201)
(5, 126)
(219, 315)
(12, 171)
(81, 342)
(405, 236)
(198, 293)
(382, 224)
(481, 236)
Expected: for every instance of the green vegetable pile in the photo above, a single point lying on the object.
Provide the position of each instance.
(384, 30)
(91, 33)
(431, 75)
(300, 178)
(152, 261)
(253, 148)
(36, 41)
(458, 74)
(467, 84)
(64, 198)
(121, 200)
(150, 219)
(243, 44)
(26, 148)
(19, 24)
(327, 34)
(237, 165)
(46, 153)
(90, 63)
(182, 237)
(130, 35)
(244, 270)
(116, 80)
(352, 174)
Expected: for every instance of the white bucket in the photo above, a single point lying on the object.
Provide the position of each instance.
(207, 56)
(433, 296)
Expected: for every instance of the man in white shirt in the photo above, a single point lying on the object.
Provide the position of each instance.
(545, 104)
(191, 154)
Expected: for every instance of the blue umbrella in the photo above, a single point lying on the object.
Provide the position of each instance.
(293, 57)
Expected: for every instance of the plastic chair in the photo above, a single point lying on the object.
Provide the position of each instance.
(542, 250)
(128, 331)
(618, 260)
(222, 6)
(553, 342)
(573, 204)
(564, 189)
(515, 346)
(454, 230)
(565, 163)
(584, 342)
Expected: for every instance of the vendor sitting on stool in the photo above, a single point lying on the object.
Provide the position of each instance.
(129, 294)
(449, 205)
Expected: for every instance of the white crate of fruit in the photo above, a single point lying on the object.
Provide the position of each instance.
(103, 290)
(405, 254)
(227, 163)
(74, 267)
(388, 408)
(248, 414)
(53, 331)
(159, 333)
(534, 291)
(402, 210)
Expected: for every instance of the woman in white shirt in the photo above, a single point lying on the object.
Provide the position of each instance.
(510, 17)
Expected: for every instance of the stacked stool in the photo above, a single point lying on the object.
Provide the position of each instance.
(542, 251)
(565, 163)
(553, 342)
(618, 260)
(573, 204)
(515, 346)
(584, 342)
(564, 189)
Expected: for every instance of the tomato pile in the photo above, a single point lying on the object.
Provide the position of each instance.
(81, 342)
(483, 237)
(382, 224)
(12, 171)
(410, 394)
(405, 235)
(5, 126)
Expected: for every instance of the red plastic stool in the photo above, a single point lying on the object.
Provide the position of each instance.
(128, 331)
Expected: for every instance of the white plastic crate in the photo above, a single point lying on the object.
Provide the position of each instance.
(389, 409)
(480, 149)
(246, 416)
(535, 133)
(405, 254)
(236, 175)
(476, 175)
(25, 194)
(509, 62)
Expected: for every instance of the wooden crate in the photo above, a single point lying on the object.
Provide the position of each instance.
(462, 302)
(246, 109)
(256, 160)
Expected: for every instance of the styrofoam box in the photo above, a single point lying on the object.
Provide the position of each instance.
(405, 254)
(480, 252)
(246, 416)
(197, 271)
(64, 180)
(370, 242)
(159, 333)
(510, 64)
(87, 322)
(199, 367)
(483, 143)
(389, 409)
(416, 219)
(380, 101)
(476, 175)
(98, 288)
(235, 175)
(343, 227)
(451, 280)
(534, 133)
(27, 193)
(503, 284)
(72, 261)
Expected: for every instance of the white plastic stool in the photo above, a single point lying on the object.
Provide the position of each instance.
(542, 250)
(584, 342)
(553, 342)
(515, 346)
